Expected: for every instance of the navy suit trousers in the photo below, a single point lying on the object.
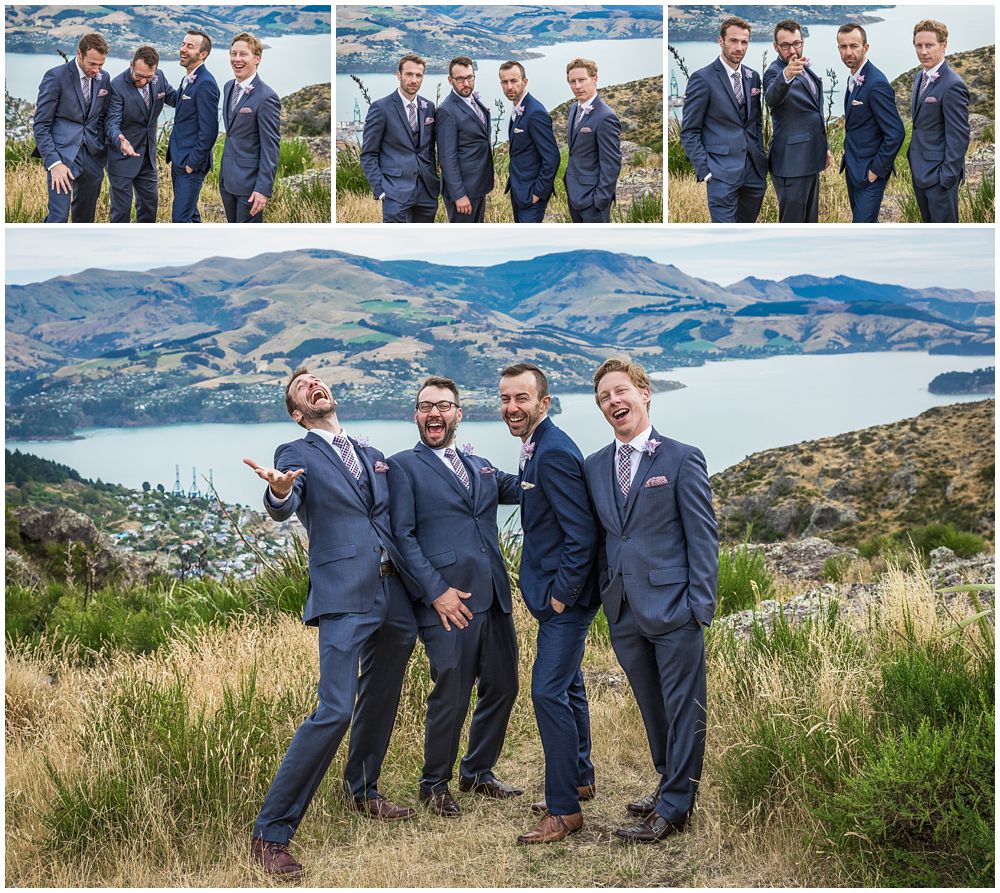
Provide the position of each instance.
(798, 198)
(532, 214)
(383, 666)
(667, 675)
(145, 187)
(81, 201)
(397, 212)
(736, 204)
(345, 642)
(238, 207)
(187, 189)
(478, 214)
(937, 204)
(486, 650)
(866, 200)
(560, 701)
(592, 214)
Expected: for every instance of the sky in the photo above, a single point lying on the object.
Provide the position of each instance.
(960, 257)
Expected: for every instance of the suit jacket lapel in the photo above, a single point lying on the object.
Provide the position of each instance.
(331, 453)
(607, 481)
(727, 84)
(640, 475)
(430, 458)
(401, 111)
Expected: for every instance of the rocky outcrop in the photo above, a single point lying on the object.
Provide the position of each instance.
(803, 559)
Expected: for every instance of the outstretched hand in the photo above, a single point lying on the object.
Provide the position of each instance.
(280, 482)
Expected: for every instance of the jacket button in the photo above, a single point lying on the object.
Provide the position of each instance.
(482, 548)
(377, 549)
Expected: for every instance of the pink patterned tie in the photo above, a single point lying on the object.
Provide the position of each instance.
(625, 467)
(456, 463)
(343, 446)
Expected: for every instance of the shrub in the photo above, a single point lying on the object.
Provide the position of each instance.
(931, 536)
(350, 176)
(835, 568)
(295, 157)
(981, 200)
(645, 208)
(744, 579)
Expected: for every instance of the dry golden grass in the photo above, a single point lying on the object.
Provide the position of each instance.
(26, 199)
(49, 699)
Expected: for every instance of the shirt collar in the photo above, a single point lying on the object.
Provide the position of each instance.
(247, 82)
(329, 435)
(191, 74)
(934, 70)
(860, 70)
(520, 99)
(405, 100)
(638, 442)
(589, 103)
(81, 72)
(732, 71)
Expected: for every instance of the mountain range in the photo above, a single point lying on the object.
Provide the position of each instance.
(244, 321)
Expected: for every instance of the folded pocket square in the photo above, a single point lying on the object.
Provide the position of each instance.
(428, 120)
(102, 92)
(487, 469)
(856, 102)
(586, 130)
(246, 111)
(518, 130)
(755, 91)
(185, 97)
(657, 481)
(160, 95)
(527, 486)
(931, 99)
(380, 467)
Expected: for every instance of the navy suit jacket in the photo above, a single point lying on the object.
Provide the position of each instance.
(448, 535)
(798, 143)
(663, 548)
(196, 123)
(128, 115)
(873, 130)
(940, 130)
(595, 157)
(463, 148)
(393, 159)
(558, 558)
(713, 132)
(62, 123)
(534, 153)
(346, 530)
(253, 140)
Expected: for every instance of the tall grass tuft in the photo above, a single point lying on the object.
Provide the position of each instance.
(645, 208)
(350, 176)
(744, 579)
(981, 200)
(295, 157)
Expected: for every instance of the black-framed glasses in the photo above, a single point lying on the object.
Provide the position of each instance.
(468, 79)
(441, 406)
(790, 46)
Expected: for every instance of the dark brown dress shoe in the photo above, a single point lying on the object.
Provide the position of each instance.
(441, 802)
(491, 787)
(584, 792)
(643, 806)
(381, 808)
(274, 858)
(553, 828)
(651, 829)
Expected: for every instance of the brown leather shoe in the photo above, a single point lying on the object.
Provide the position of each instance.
(440, 802)
(553, 828)
(274, 858)
(490, 787)
(651, 829)
(644, 806)
(381, 808)
(584, 792)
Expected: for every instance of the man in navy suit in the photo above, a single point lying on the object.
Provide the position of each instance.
(798, 153)
(397, 149)
(940, 139)
(338, 489)
(595, 150)
(69, 131)
(443, 504)
(531, 146)
(463, 146)
(253, 135)
(558, 580)
(138, 95)
(722, 129)
(873, 130)
(196, 126)
(654, 501)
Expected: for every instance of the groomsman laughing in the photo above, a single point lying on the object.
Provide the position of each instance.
(940, 112)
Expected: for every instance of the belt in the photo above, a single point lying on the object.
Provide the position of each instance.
(387, 569)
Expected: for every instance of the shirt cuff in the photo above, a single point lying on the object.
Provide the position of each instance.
(277, 500)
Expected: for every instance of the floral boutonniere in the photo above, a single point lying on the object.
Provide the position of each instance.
(468, 449)
(363, 442)
(934, 77)
(475, 94)
(859, 79)
(747, 73)
(192, 78)
(423, 103)
(650, 446)
(248, 90)
(527, 451)
(518, 109)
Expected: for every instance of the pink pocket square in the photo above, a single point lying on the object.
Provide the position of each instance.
(755, 91)
(102, 92)
(380, 467)
(586, 130)
(658, 481)
(160, 95)
(931, 99)
(487, 469)
(246, 111)
(428, 120)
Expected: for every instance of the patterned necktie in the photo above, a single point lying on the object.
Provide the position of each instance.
(411, 113)
(144, 90)
(625, 467)
(479, 112)
(343, 446)
(581, 113)
(86, 91)
(234, 100)
(925, 84)
(809, 83)
(738, 87)
(456, 463)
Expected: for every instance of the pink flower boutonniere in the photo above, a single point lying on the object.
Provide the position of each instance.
(518, 109)
(859, 80)
(475, 94)
(423, 103)
(248, 90)
(649, 447)
(527, 451)
(363, 441)
(468, 449)
(747, 73)
(192, 78)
